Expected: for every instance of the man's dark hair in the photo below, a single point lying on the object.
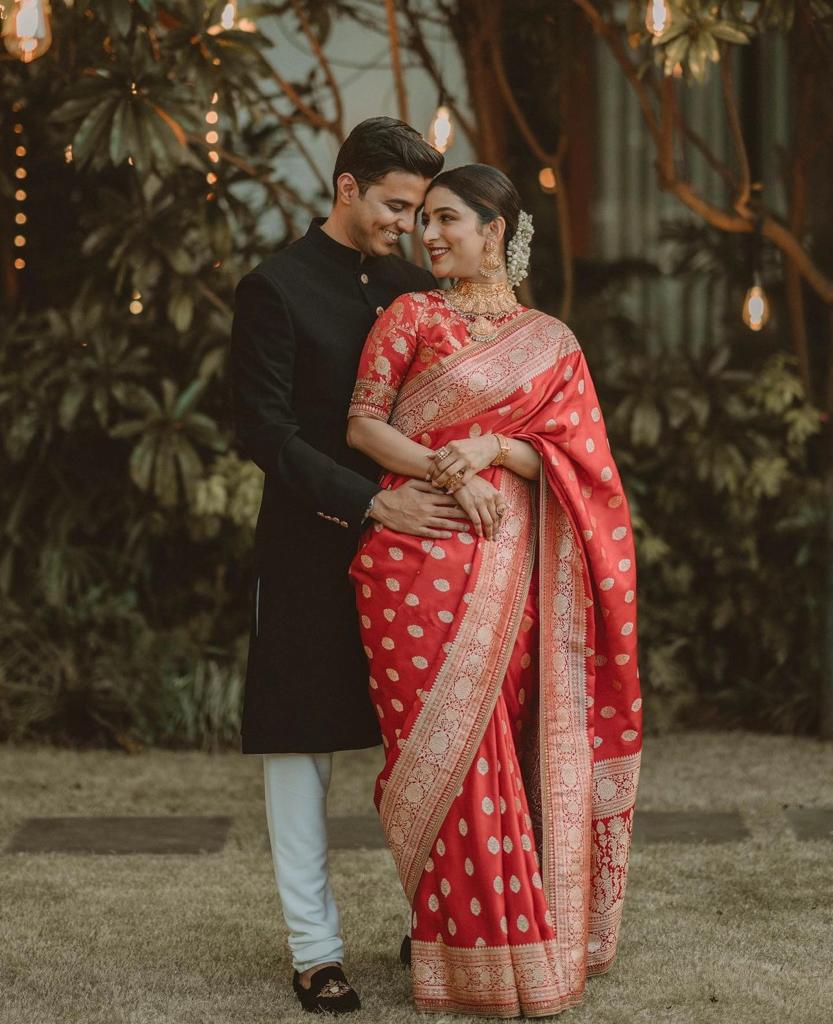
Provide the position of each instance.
(379, 145)
(487, 191)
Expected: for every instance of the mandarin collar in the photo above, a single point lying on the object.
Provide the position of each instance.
(348, 257)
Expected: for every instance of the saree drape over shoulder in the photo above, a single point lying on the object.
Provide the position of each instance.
(503, 672)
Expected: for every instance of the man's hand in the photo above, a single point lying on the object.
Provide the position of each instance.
(483, 504)
(421, 510)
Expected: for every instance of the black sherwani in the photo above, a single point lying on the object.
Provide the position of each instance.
(300, 321)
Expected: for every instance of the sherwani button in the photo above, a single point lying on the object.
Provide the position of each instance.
(380, 310)
(364, 279)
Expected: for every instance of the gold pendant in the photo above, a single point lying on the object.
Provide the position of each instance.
(481, 329)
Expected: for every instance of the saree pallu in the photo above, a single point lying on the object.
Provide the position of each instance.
(504, 675)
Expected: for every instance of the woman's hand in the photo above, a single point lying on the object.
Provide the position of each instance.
(458, 462)
(483, 504)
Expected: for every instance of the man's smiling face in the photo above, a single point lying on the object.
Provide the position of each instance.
(387, 210)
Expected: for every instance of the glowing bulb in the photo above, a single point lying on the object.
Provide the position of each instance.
(546, 179)
(19, 241)
(211, 138)
(212, 117)
(755, 306)
(215, 98)
(68, 153)
(18, 129)
(211, 178)
(20, 173)
(213, 156)
(136, 306)
(27, 33)
(20, 151)
(229, 15)
(441, 132)
(19, 264)
(657, 17)
(20, 218)
(20, 195)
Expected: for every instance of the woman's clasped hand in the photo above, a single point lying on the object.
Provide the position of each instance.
(455, 469)
(457, 462)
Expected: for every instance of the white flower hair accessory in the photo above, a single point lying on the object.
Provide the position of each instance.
(517, 252)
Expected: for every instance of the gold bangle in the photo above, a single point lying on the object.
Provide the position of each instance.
(503, 454)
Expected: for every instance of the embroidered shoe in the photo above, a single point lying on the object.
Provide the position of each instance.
(329, 992)
(405, 952)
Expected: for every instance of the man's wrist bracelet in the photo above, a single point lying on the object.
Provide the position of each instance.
(368, 512)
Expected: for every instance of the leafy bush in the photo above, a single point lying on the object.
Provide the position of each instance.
(728, 519)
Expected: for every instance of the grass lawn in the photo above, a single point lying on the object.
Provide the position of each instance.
(735, 933)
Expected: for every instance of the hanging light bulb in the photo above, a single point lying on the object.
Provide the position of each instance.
(657, 17)
(27, 33)
(441, 132)
(229, 20)
(755, 305)
(136, 306)
(546, 179)
(229, 15)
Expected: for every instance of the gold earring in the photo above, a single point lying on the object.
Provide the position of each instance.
(491, 264)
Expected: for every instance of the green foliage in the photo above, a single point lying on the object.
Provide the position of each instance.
(124, 599)
(728, 517)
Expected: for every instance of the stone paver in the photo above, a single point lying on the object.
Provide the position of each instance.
(688, 827)
(170, 834)
(810, 822)
(356, 833)
(190, 835)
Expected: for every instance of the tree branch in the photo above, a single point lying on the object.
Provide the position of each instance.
(395, 61)
(741, 201)
(611, 36)
(733, 222)
(279, 190)
(418, 45)
(337, 124)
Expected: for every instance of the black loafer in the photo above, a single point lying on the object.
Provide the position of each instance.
(329, 992)
(405, 952)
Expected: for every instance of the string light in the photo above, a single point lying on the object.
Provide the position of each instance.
(212, 137)
(546, 179)
(20, 174)
(136, 306)
(27, 33)
(755, 305)
(657, 17)
(441, 131)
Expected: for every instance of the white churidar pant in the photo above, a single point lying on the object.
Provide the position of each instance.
(296, 810)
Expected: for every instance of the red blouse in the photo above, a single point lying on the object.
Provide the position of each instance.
(415, 332)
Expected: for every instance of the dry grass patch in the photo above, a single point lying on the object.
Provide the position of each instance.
(730, 934)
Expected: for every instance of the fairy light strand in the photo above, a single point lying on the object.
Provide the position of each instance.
(212, 137)
(20, 196)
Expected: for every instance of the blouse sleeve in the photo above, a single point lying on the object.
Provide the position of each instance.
(386, 357)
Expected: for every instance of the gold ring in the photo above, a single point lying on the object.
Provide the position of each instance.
(459, 474)
(443, 453)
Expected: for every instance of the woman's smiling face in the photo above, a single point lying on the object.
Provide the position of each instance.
(454, 237)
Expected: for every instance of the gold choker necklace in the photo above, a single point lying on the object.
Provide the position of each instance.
(483, 303)
(482, 299)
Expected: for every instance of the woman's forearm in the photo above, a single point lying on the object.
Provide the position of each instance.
(523, 459)
(388, 447)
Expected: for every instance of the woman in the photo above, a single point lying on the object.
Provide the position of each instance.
(502, 659)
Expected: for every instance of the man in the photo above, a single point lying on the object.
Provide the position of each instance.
(300, 322)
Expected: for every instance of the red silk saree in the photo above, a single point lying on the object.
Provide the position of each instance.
(503, 672)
